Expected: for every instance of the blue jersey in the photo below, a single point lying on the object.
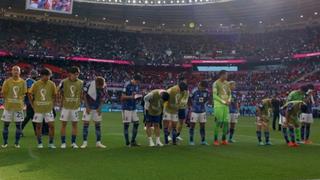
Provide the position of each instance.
(199, 100)
(233, 107)
(94, 104)
(128, 90)
(29, 82)
(309, 107)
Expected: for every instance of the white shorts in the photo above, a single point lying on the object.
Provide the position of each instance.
(38, 117)
(69, 114)
(16, 116)
(93, 115)
(129, 116)
(282, 120)
(170, 117)
(306, 118)
(234, 117)
(201, 117)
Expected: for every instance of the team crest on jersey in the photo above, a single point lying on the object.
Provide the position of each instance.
(43, 93)
(72, 90)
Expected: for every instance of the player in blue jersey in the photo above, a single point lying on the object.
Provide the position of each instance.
(129, 97)
(199, 98)
(234, 111)
(29, 110)
(94, 95)
(306, 118)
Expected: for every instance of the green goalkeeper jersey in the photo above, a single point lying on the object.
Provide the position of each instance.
(221, 93)
(296, 95)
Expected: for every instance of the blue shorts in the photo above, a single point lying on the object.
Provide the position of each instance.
(153, 119)
(182, 114)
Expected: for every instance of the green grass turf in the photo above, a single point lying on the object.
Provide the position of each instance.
(242, 160)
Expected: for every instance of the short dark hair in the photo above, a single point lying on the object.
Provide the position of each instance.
(203, 84)
(310, 86)
(222, 72)
(74, 69)
(45, 72)
(165, 96)
(183, 86)
(137, 77)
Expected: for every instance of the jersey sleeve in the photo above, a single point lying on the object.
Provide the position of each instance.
(4, 88)
(25, 87)
(33, 88)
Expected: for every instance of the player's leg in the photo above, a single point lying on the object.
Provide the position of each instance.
(258, 130)
(28, 117)
(74, 133)
(233, 122)
(266, 132)
(166, 129)
(38, 120)
(182, 118)
(148, 124)
(192, 124)
(156, 126)
(85, 129)
(97, 118)
(203, 121)
(6, 118)
(174, 123)
(18, 118)
(135, 128)
(64, 119)
(297, 130)
(126, 124)
(225, 124)
(218, 114)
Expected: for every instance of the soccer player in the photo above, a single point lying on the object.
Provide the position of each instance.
(183, 102)
(276, 113)
(262, 111)
(199, 98)
(29, 110)
(153, 107)
(42, 96)
(170, 112)
(291, 111)
(299, 95)
(129, 98)
(222, 98)
(13, 91)
(70, 92)
(94, 94)
(234, 111)
(306, 119)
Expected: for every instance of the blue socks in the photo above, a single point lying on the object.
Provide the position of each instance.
(203, 134)
(174, 135)
(73, 139)
(191, 134)
(18, 132)
(166, 134)
(85, 132)
(98, 132)
(63, 139)
(5, 133)
(285, 134)
(308, 131)
(259, 135)
(126, 132)
(267, 136)
(134, 132)
(231, 132)
(292, 135)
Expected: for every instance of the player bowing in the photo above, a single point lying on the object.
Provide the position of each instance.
(263, 111)
(170, 112)
(153, 107)
(199, 98)
(70, 92)
(13, 92)
(94, 93)
(42, 96)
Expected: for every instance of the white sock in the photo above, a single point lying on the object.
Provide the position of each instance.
(158, 139)
(150, 138)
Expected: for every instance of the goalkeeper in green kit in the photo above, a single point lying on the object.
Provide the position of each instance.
(221, 99)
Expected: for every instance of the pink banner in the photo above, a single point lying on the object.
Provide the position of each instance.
(4, 53)
(100, 60)
(297, 56)
(229, 61)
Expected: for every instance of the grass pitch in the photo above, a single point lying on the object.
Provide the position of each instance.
(242, 160)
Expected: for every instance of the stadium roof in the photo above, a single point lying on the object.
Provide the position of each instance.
(230, 14)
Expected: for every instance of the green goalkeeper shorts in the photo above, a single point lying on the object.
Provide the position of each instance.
(221, 113)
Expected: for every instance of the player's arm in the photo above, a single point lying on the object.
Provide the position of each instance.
(4, 89)
(30, 95)
(55, 93)
(216, 97)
